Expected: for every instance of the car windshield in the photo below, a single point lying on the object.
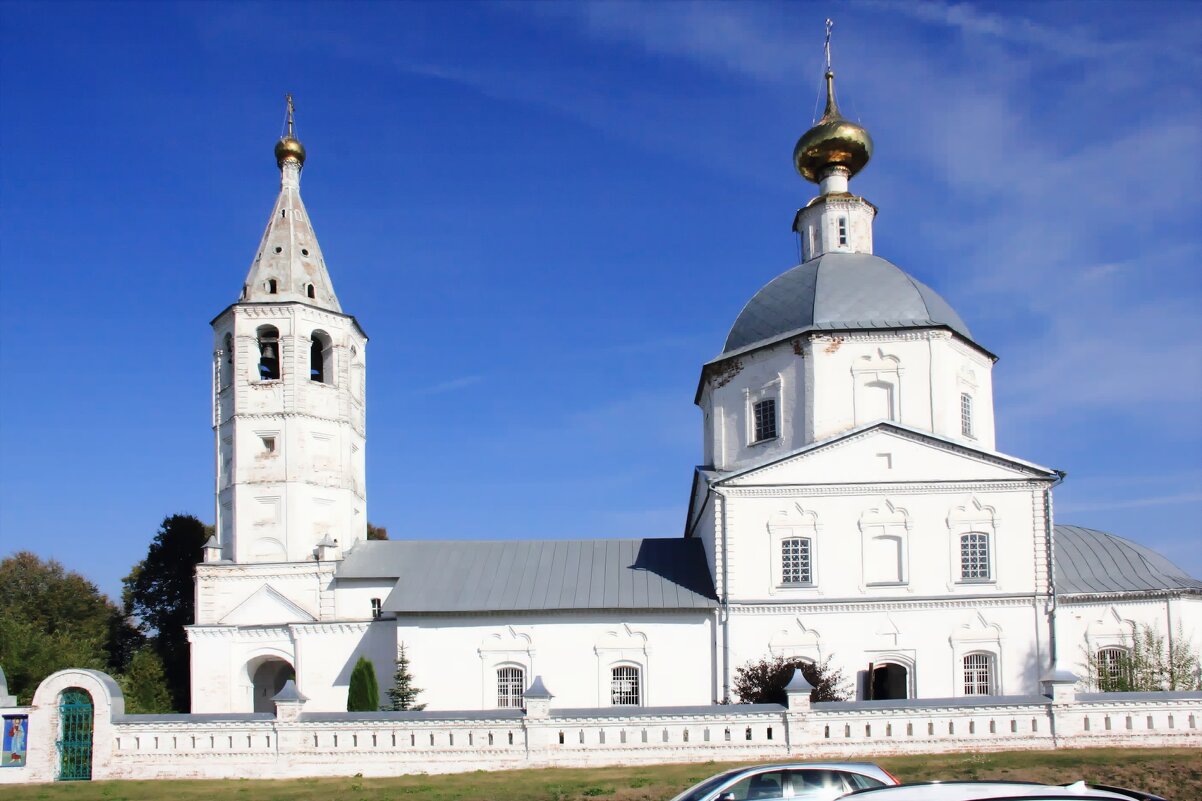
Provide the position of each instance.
(699, 791)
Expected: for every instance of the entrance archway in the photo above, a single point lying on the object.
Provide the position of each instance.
(75, 735)
(889, 682)
(267, 679)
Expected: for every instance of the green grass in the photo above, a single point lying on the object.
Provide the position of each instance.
(1173, 773)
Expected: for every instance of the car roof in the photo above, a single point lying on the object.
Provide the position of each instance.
(987, 791)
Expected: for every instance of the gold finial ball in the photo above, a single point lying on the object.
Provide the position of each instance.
(833, 142)
(289, 148)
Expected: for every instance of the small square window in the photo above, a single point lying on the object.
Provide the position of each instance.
(765, 420)
(268, 444)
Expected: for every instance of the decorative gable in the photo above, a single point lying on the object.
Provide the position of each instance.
(886, 453)
(266, 607)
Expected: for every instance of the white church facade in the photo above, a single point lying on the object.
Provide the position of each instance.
(850, 505)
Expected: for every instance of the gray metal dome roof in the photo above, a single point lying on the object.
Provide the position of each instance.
(841, 291)
(1091, 561)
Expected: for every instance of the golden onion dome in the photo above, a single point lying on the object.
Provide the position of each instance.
(834, 142)
(289, 147)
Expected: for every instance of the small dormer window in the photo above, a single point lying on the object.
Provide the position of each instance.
(842, 232)
(376, 608)
(765, 420)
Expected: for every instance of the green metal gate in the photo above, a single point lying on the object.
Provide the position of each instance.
(75, 743)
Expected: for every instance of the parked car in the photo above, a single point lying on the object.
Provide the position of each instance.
(997, 791)
(811, 781)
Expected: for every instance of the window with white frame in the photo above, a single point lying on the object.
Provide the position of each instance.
(511, 683)
(978, 674)
(624, 686)
(764, 422)
(966, 414)
(795, 561)
(1114, 669)
(843, 232)
(974, 556)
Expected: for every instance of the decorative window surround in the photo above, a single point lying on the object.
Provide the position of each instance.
(977, 636)
(504, 648)
(771, 391)
(972, 517)
(623, 647)
(876, 387)
(795, 523)
(885, 545)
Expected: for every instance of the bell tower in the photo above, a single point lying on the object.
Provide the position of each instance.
(288, 398)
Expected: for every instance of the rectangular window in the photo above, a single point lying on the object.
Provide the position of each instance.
(624, 686)
(765, 420)
(974, 556)
(966, 414)
(795, 561)
(842, 231)
(511, 683)
(978, 674)
(376, 608)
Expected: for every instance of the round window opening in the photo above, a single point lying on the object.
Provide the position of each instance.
(304, 252)
(279, 250)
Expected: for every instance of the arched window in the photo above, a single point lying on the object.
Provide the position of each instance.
(974, 556)
(795, 561)
(271, 286)
(1114, 670)
(625, 686)
(511, 683)
(319, 358)
(966, 414)
(227, 361)
(311, 292)
(269, 353)
(978, 674)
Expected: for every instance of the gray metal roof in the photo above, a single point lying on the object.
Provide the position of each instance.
(1089, 562)
(841, 291)
(531, 575)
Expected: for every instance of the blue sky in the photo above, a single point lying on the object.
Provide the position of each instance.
(547, 215)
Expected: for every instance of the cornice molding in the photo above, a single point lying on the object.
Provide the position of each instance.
(923, 488)
(758, 608)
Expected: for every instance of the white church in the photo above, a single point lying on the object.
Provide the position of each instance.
(850, 505)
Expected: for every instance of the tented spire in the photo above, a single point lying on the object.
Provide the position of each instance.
(288, 265)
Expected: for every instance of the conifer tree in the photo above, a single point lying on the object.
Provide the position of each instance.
(364, 692)
(402, 694)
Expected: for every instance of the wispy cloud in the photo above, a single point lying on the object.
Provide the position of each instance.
(1129, 503)
(450, 386)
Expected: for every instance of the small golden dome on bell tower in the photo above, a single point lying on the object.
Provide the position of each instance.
(289, 147)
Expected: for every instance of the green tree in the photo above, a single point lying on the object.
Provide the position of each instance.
(402, 694)
(364, 693)
(376, 532)
(51, 619)
(763, 681)
(159, 593)
(1152, 664)
(144, 685)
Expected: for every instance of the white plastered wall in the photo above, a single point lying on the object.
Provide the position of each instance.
(455, 658)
